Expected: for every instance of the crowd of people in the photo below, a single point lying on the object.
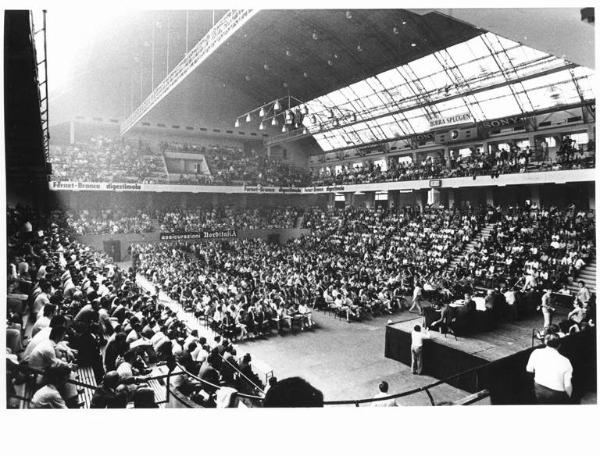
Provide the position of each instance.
(358, 262)
(532, 245)
(109, 221)
(70, 307)
(105, 159)
(494, 162)
(117, 221)
(235, 165)
(228, 218)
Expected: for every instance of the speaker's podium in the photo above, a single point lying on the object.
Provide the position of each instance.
(113, 249)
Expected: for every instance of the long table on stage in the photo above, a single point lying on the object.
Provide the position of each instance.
(507, 347)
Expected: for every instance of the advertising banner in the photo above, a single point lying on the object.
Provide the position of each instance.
(438, 122)
(188, 235)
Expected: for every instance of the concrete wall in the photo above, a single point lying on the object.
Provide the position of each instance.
(153, 200)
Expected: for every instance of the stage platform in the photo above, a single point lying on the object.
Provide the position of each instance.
(507, 339)
(502, 354)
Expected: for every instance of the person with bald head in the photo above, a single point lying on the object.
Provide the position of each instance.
(109, 395)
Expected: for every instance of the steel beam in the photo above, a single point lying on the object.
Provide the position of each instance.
(215, 37)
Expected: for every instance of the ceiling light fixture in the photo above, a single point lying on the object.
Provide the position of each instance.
(396, 30)
(274, 122)
(248, 118)
(315, 36)
(284, 129)
(413, 44)
(277, 106)
(261, 113)
(237, 123)
(261, 126)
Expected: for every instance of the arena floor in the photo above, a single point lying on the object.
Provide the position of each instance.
(345, 360)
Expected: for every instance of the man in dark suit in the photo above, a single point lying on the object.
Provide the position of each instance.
(109, 395)
(469, 306)
(494, 307)
(464, 318)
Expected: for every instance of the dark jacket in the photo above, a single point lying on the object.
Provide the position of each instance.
(106, 398)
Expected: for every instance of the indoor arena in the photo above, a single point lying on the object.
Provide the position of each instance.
(275, 208)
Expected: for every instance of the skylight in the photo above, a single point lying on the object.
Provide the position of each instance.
(485, 77)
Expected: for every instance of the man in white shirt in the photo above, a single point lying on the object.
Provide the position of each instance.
(199, 353)
(417, 296)
(49, 396)
(416, 348)
(43, 322)
(552, 373)
(583, 293)
(41, 300)
(44, 354)
(383, 392)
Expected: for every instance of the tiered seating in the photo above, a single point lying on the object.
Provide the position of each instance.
(479, 163)
(99, 319)
(230, 165)
(104, 159)
(109, 222)
(228, 218)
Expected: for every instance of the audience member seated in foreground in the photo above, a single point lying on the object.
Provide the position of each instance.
(293, 392)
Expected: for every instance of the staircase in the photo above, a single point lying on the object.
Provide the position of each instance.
(483, 234)
(588, 275)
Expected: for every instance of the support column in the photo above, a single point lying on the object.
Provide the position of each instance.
(349, 199)
(450, 198)
(489, 196)
(392, 199)
(447, 156)
(535, 195)
(420, 198)
(330, 200)
(433, 197)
